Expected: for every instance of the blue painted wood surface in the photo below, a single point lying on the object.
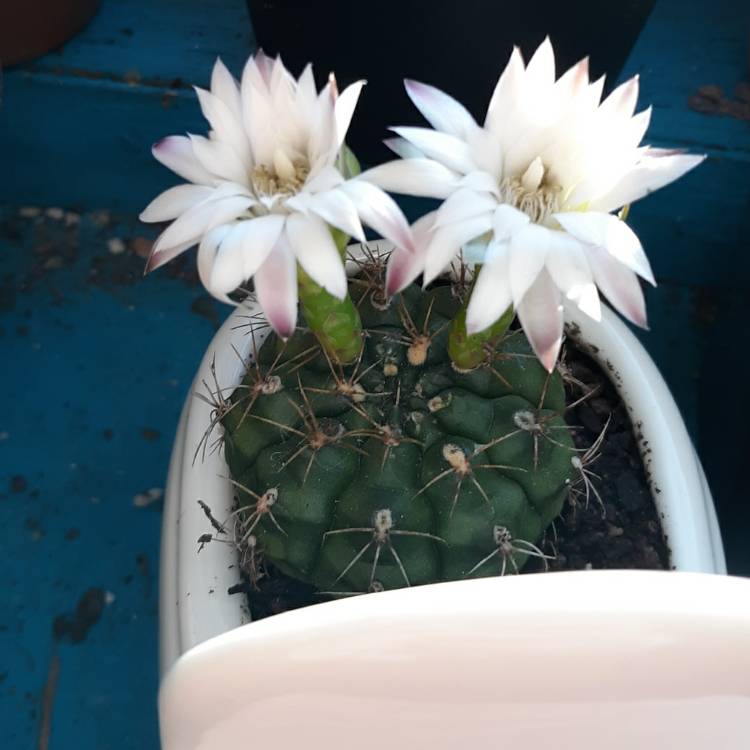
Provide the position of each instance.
(99, 365)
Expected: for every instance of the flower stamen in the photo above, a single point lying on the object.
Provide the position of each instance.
(286, 177)
(533, 193)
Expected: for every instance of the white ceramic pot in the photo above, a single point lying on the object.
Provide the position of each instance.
(195, 607)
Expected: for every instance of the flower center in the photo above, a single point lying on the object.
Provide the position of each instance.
(534, 192)
(267, 181)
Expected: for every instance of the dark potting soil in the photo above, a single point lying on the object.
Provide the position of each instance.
(616, 526)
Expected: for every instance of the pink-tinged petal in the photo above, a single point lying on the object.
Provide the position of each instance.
(199, 219)
(404, 267)
(264, 66)
(325, 179)
(379, 211)
(528, 253)
(541, 317)
(403, 148)
(420, 177)
(313, 245)
(227, 273)
(450, 151)
(163, 256)
(507, 91)
(621, 102)
(175, 201)
(619, 285)
(246, 246)
(225, 87)
(207, 250)
(506, 221)
(442, 111)
(176, 153)
(446, 243)
(615, 236)
(219, 158)
(276, 288)
(336, 208)
(491, 295)
(226, 125)
(575, 80)
(648, 175)
(540, 72)
(464, 204)
(569, 268)
(344, 109)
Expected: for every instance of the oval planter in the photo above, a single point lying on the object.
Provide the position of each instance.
(195, 607)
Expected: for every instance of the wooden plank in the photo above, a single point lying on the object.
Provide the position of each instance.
(77, 126)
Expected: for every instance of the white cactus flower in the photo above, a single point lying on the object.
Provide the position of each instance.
(529, 195)
(264, 186)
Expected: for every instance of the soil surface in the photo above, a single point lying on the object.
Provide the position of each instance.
(614, 525)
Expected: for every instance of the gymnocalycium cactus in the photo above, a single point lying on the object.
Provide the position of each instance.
(397, 469)
(399, 436)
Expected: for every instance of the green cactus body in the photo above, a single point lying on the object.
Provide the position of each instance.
(397, 469)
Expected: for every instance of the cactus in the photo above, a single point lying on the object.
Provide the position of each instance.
(398, 468)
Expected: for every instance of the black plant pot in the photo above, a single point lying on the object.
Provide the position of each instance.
(459, 46)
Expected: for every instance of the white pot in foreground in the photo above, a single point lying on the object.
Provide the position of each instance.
(195, 607)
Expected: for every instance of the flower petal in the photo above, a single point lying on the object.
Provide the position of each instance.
(336, 208)
(219, 158)
(491, 295)
(449, 150)
(621, 102)
(541, 316)
(540, 72)
(480, 180)
(619, 285)
(225, 124)
(379, 211)
(207, 250)
(176, 153)
(324, 179)
(421, 177)
(175, 201)
(158, 259)
(609, 232)
(312, 243)
(225, 87)
(464, 204)
(345, 105)
(243, 250)
(528, 252)
(507, 91)
(507, 220)
(442, 111)
(567, 265)
(197, 220)
(403, 148)
(276, 288)
(403, 266)
(446, 243)
(649, 174)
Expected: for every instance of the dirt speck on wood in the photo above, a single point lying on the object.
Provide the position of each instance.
(75, 626)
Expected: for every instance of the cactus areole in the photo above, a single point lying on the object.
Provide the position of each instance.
(396, 468)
